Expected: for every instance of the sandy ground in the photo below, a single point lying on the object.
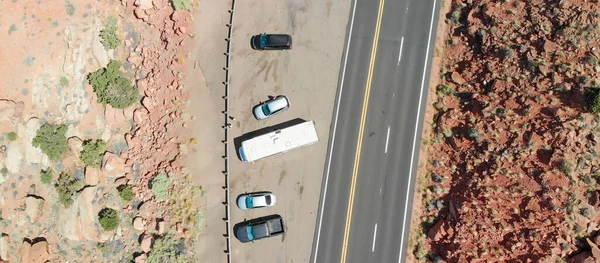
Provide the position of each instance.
(308, 75)
(204, 78)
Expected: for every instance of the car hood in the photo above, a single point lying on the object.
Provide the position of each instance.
(258, 113)
(241, 202)
(241, 234)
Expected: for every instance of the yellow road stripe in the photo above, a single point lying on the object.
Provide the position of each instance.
(361, 131)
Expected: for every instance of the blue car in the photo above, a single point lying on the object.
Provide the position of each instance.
(259, 228)
(271, 42)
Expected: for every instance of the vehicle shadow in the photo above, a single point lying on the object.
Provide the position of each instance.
(237, 142)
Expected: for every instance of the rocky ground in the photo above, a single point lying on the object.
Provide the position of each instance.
(49, 48)
(514, 177)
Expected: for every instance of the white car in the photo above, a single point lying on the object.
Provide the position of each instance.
(256, 200)
(271, 107)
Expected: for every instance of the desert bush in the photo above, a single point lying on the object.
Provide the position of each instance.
(109, 37)
(456, 15)
(181, 4)
(112, 88)
(66, 186)
(125, 192)
(506, 52)
(160, 187)
(474, 134)
(437, 178)
(592, 100)
(11, 136)
(591, 60)
(64, 82)
(447, 133)
(168, 249)
(585, 212)
(566, 167)
(445, 90)
(93, 153)
(51, 140)
(4, 170)
(109, 219)
(46, 176)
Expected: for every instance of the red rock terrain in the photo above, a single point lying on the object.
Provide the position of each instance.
(514, 177)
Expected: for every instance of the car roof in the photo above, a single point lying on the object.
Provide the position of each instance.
(279, 39)
(259, 201)
(278, 103)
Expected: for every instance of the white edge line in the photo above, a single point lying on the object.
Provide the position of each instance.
(374, 238)
(415, 137)
(387, 139)
(337, 111)
(400, 51)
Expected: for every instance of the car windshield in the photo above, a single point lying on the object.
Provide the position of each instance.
(249, 233)
(265, 109)
(263, 40)
(249, 203)
(268, 199)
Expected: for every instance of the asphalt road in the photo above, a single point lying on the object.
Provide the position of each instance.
(364, 213)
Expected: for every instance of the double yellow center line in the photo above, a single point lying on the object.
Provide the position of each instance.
(361, 131)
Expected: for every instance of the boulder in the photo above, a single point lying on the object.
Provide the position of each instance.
(13, 158)
(88, 214)
(583, 257)
(145, 209)
(144, 4)
(139, 223)
(142, 258)
(8, 109)
(438, 231)
(161, 226)
(80, 220)
(113, 165)
(595, 250)
(33, 154)
(4, 247)
(114, 116)
(39, 252)
(92, 176)
(140, 13)
(24, 251)
(34, 207)
(457, 78)
(147, 243)
(75, 145)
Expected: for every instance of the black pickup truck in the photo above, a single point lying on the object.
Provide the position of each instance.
(259, 228)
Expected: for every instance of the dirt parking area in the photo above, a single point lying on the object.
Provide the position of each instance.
(308, 76)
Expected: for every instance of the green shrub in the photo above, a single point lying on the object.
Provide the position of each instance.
(112, 87)
(566, 167)
(160, 187)
(51, 140)
(109, 219)
(445, 90)
(181, 4)
(64, 81)
(12, 136)
(4, 171)
(46, 176)
(592, 99)
(93, 153)
(168, 249)
(125, 192)
(109, 37)
(66, 186)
